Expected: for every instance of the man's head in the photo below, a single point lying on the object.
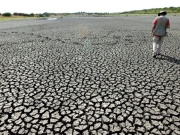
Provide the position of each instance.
(162, 13)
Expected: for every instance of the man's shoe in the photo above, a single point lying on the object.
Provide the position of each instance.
(154, 55)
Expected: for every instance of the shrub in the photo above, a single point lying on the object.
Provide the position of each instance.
(31, 15)
(45, 14)
(6, 14)
(40, 15)
(23, 14)
(15, 13)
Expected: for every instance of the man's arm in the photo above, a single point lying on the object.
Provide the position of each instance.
(168, 24)
(153, 27)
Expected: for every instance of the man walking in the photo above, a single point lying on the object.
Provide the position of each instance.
(160, 24)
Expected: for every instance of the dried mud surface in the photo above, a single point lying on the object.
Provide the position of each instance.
(88, 76)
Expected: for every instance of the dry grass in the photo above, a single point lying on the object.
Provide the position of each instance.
(3, 18)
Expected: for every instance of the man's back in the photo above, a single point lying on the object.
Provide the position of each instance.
(161, 23)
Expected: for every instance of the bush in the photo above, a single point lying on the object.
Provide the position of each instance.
(15, 13)
(23, 14)
(45, 14)
(31, 15)
(40, 15)
(6, 14)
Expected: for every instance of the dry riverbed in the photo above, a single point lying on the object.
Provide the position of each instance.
(88, 76)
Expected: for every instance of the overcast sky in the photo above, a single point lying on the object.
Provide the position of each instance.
(69, 6)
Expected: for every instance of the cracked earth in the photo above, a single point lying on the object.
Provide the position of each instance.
(88, 76)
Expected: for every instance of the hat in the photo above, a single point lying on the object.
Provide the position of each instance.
(162, 13)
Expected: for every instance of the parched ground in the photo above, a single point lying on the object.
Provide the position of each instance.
(88, 76)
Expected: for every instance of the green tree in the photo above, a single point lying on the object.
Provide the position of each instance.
(31, 15)
(7, 14)
(46, 14)
(172, 9)
(40, 15)
(15, 13)
(178, 10)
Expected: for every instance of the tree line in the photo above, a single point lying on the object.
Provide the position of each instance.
(169, 10)
(45, 14)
